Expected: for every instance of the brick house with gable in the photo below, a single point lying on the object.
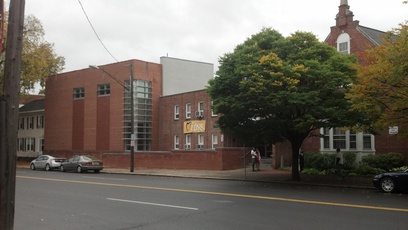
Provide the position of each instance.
(349, 37)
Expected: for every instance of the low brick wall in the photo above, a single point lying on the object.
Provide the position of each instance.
(219, 159)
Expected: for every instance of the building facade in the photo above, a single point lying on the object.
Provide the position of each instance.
(90, 109)
(189, 123)
(30, 137)
(349, 37)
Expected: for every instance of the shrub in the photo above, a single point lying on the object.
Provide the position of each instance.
(399, 169)
(311, 171)
(384, 161)
(349, 160)
(364, 169)
(319, 161)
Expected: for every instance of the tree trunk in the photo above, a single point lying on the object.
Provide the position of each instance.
(295, 159)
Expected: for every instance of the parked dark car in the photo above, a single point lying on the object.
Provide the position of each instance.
(82, 164)
(46, 162)
(391, 181)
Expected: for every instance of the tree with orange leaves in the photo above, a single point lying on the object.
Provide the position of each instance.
(381, 89)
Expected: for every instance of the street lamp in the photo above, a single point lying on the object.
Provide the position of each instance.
(132, 112)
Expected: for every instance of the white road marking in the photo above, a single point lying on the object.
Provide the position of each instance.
(154, 204)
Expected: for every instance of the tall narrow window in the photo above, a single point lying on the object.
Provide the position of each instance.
(188, 110)
(200, 106)
(367, 141)
(343, 43)
(21, 123)
(40, 122)
(176, 142)
(214, 143)
(352, 140)
(176, 112)
(188, 142)
(339, 138)
(30, 122)
(200, 141)
(212, 110)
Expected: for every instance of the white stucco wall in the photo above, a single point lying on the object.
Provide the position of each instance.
(180, 76)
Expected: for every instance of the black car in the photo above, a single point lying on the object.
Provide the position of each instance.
(391, 181)
(82, 164)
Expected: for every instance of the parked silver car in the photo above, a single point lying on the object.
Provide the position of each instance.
(46, 162)
(82, 164)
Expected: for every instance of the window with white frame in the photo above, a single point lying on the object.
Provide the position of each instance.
(367, 141)
(21, 122)
(339, 138)
(212, 110)
(187, 145)
(343, 43)
(214, 141)
(30, 122)
(176, 112)
(200, 140)
(21, 144)
(200, 107)
(176, 142)
(346, 140)
(188, 110)
(30, 144)
(40, 122)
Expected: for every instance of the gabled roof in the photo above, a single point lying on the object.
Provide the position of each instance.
(36, 105)
(24, 99)
(375, 36)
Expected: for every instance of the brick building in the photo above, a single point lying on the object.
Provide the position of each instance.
(189, 123)
(349, 37)
(89, 109)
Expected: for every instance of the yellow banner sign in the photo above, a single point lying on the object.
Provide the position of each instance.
(195, 126)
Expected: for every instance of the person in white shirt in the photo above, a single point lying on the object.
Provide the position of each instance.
(253, 156)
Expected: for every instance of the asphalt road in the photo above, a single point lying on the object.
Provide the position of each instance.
(55, 200)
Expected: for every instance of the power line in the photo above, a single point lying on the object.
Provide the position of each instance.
(90, 23)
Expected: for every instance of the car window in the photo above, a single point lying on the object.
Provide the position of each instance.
(86, 158)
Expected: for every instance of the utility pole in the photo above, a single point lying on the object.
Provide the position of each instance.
(9, 105)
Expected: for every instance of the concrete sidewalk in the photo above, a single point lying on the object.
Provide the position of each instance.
(266, 175)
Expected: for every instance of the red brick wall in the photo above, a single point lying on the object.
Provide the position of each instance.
(78, 125)
(171, 127)
(102, 126)
(221, 159)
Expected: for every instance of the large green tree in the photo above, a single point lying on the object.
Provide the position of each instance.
(282, 88)
(38, 57)
(381, 89)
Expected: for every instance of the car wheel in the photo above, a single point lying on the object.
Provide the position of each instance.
(96, 171)
(79, 169)
(32, 166)
(387, 184)
(47, 167)
(62, 168)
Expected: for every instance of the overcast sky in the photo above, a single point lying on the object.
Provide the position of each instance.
(200, 30)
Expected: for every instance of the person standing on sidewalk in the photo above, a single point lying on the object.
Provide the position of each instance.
(253, 156)
(258, 159)
(339, 164)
